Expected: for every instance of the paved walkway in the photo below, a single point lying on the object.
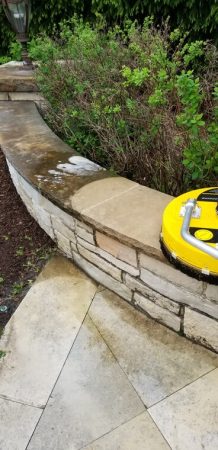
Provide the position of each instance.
(83, 370)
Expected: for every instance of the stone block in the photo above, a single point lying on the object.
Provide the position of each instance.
(179, 294)
(116, 262)
(171, 274)
(84, 226)
(136, 285)
(164, 287)
(26, 96)
(13, 173)
(59, 226)
(43, 219)
(101, 263)
(63, 244)
(156, 312)
(117, 249)
(12, 79)
(103, 278)
(201, 328)
(4, 96)
(85, 234)
(212, 293)
(55, 211)
(87, 245)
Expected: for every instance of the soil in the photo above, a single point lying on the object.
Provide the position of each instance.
(24, 247)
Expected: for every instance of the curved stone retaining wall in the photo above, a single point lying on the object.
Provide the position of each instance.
(183, 304)
(108, 225)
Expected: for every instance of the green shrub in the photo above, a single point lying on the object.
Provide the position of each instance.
(142, 102)
(199, 17)
(4, 59)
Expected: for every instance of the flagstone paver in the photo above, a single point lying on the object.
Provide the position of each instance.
(156, 361)
(17, 422)
(99, 363)
(40, 334)
(92, 396)
(189, 418)
(139, 433)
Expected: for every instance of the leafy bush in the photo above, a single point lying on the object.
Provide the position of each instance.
(4, 59)
(141, 101)
(200, 17)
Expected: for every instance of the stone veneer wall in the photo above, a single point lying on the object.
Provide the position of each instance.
(183, 304)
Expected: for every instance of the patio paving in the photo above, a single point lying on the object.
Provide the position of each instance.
(83, 370)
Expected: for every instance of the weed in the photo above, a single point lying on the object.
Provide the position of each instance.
(2, 354)
(17, 288)
(20, 251)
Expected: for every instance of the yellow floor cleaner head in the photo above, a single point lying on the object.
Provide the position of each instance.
(189, 236)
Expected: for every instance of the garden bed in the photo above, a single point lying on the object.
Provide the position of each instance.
(24, 247)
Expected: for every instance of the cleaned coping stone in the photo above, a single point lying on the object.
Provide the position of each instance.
(118, 206)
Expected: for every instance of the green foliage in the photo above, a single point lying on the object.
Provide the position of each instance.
(201, 153)
(135, 77)
(2, 354)
(15, 51)
(139, 101)
(4, 59)
(199, 17)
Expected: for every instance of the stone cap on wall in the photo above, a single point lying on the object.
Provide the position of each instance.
(14, 79)
(120, 207)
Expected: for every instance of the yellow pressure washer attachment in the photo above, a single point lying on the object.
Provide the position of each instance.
(189, 236)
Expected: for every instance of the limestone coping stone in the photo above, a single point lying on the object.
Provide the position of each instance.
(118, 206)
(14, 79)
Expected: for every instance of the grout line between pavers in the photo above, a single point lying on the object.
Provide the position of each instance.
(111, 431)
(8, 399)
(180, 389)
(86, 210)
(86, 314)
(160, 431)
(121, 368)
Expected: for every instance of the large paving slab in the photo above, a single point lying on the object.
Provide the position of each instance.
(189, 418)
(40, 334)
(92, 397)
(17, 423)
(157, 361)
(139, 433)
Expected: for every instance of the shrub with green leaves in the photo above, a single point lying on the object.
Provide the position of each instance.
(141, 101)
(199, 17)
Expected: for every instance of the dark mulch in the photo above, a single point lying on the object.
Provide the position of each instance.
(24, 247)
